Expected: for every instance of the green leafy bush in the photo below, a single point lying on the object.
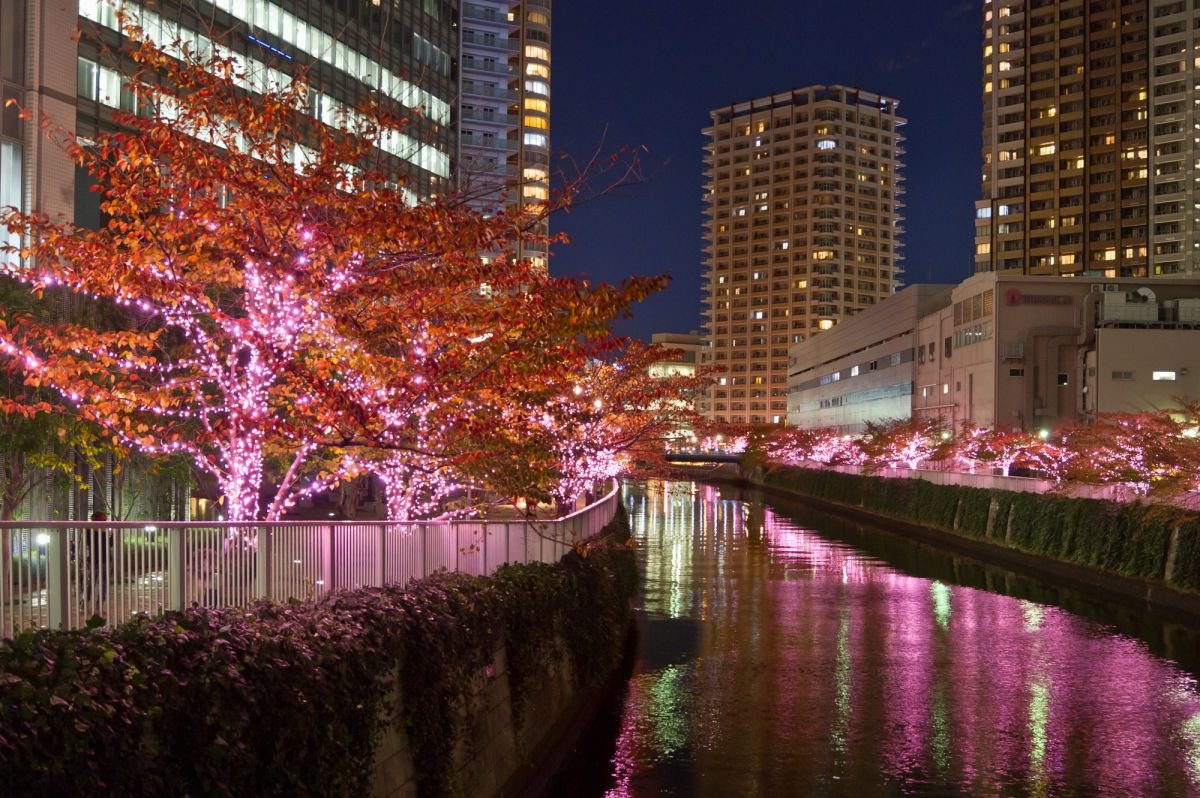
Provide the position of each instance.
(1129, 539)
(290, 700)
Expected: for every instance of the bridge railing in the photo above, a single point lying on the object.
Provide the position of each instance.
(60, 574)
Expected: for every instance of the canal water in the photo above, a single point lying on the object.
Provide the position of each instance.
(786, 652)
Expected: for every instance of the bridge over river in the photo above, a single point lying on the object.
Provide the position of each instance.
(784, 652)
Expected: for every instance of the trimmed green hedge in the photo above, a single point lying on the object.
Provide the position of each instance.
(290, 700)
(1128, 539)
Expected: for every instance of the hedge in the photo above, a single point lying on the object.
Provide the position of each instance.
(290, 700)
(1129, 539)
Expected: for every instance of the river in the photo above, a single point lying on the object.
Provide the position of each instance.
(787, 652)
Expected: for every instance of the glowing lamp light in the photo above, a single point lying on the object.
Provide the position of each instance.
(1044, 434)
(42, 539)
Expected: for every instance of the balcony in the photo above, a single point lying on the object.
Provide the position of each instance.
(488, 66)
(488, 142)
(487, 115)
(473, 89)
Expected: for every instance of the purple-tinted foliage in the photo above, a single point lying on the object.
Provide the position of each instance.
(290, 699)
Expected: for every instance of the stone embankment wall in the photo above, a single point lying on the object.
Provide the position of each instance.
(504, 743)
(494, 752)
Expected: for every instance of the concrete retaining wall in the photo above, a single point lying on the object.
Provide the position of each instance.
(494, 755)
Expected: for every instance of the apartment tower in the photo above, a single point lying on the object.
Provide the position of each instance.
(1089, 146)
(505, 142)
(802, 229)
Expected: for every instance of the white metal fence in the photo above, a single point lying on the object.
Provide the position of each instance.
(60, 574)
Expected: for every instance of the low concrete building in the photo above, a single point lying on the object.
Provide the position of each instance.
(1005, 349)
(1034, 352)
(688, 346)
(863, 368)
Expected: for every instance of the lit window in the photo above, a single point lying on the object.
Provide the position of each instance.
(540, 53)
(535, 140)
(537, 70)
(826, 324)
(1167, 376)
(826, 144)
(537, 18)
(538, 87)
(854, 371)
(535, 174)
(538, 122)
(534, 104)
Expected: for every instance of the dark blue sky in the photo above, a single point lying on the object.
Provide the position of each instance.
(647, 72)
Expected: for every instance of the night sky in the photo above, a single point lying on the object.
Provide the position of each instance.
(647, 72)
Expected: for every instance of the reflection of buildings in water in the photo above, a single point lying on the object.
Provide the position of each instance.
(820, 666)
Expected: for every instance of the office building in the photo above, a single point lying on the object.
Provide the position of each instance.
(1089, 146)
(403, 52)
(505, 144)
(865, 368)
(802, 230)
(1006, 350)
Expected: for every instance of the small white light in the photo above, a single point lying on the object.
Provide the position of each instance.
(43, 539)
(321, 582)
(295, 562)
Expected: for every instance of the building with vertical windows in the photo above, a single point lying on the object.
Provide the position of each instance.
(505, 144)
(802, 229)
(403, 52)
(1089, 152)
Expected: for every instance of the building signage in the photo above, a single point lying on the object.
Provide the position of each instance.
(1015, 297)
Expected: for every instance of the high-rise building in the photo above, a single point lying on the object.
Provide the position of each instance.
(802, 229)
(505, 152)
(1089, 152)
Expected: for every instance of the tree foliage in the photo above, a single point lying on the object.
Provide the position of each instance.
(281, 310)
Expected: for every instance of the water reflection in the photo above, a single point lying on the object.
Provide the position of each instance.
(777, 659)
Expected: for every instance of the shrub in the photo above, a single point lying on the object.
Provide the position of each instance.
(290, 700)
(1129, 539)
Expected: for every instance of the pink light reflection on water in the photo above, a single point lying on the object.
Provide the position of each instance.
(818, 665)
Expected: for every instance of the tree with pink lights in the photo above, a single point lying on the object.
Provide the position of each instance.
(796, 446)
(276, 297)
(1006, 450)
(613, 417)
(906, 443)
(1142, 453)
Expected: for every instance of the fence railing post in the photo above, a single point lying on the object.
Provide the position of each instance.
(328, 541)
(483, 542)
(262, 569)
(58, 578)
(381, 571)
(175, 569)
